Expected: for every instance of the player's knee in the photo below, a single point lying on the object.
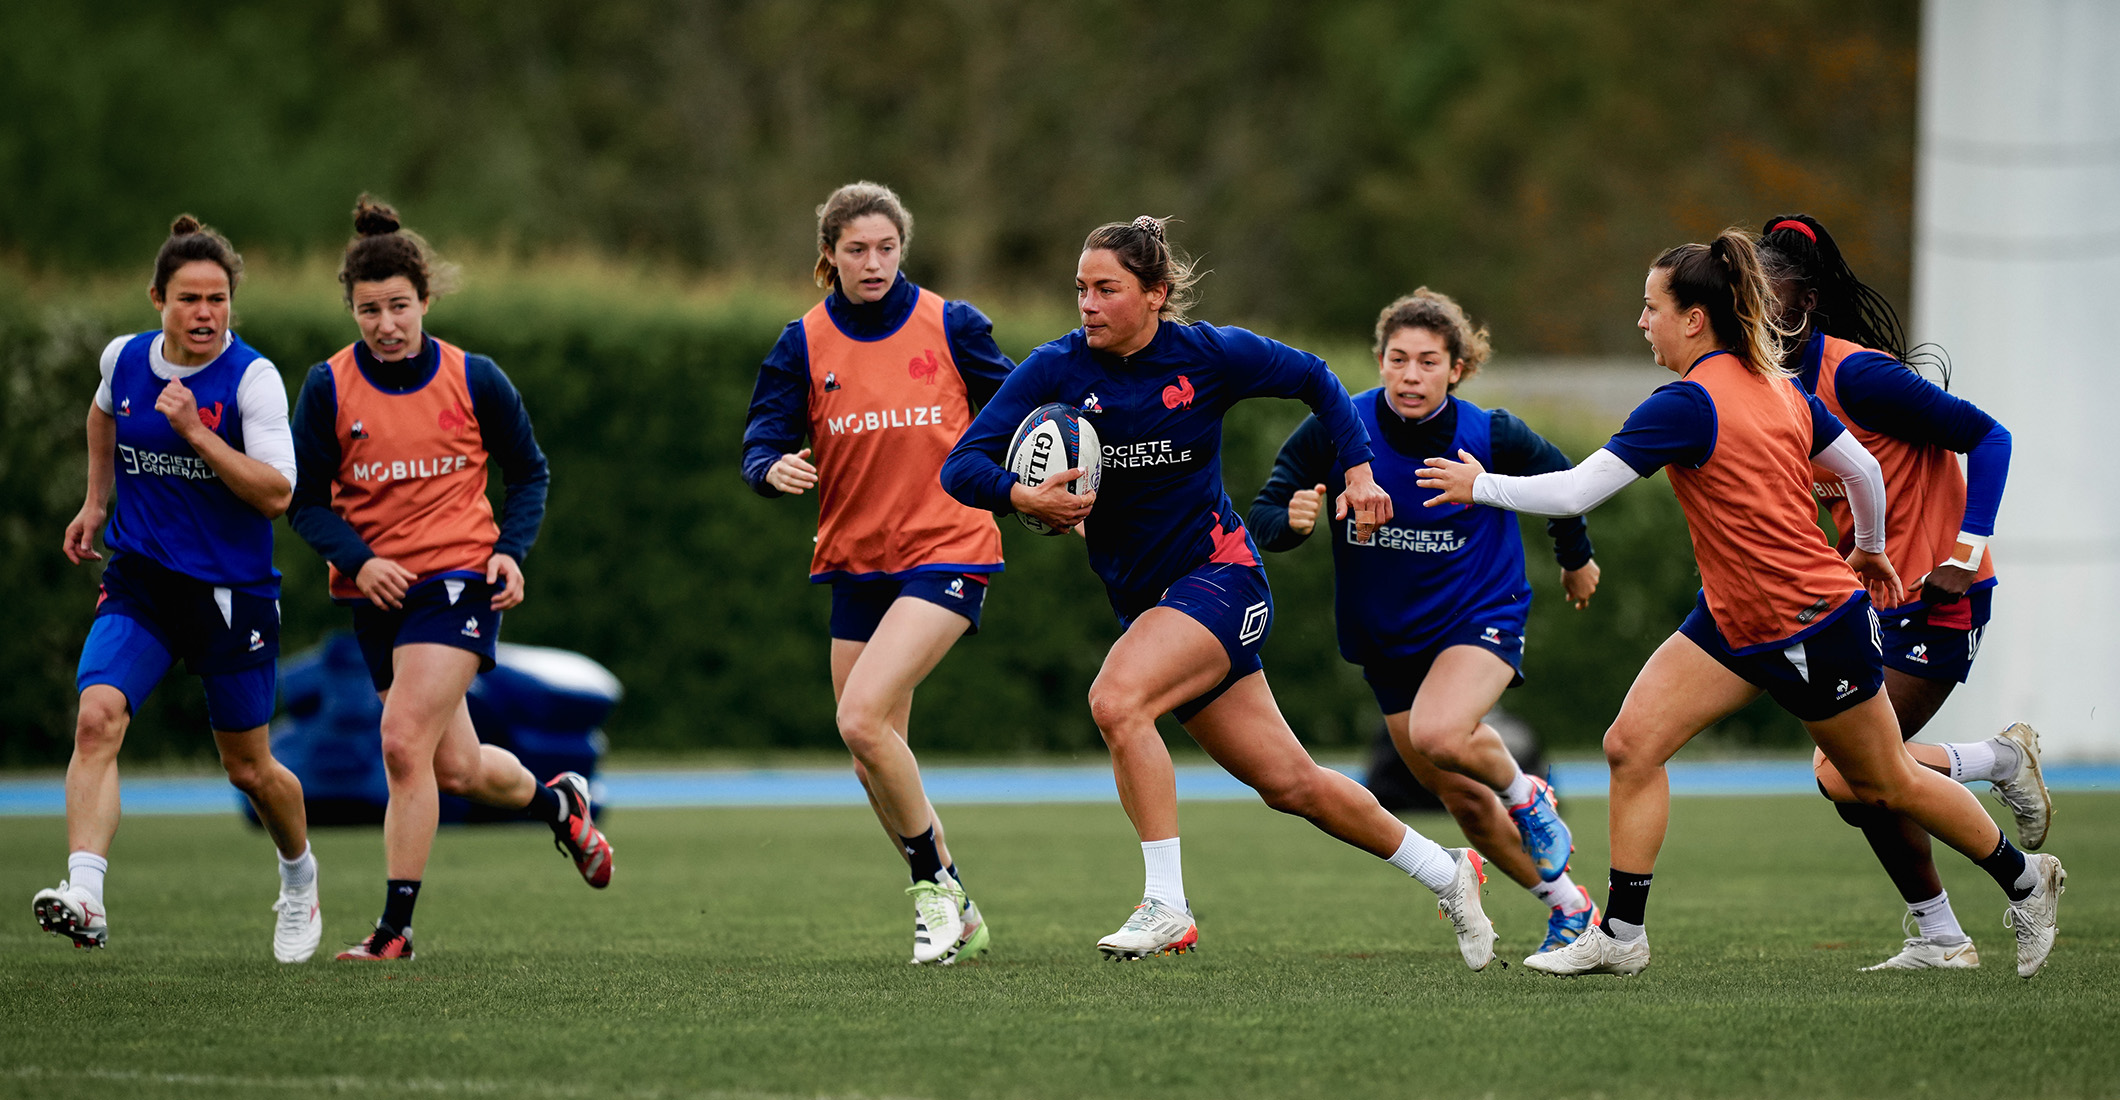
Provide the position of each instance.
(1114, 707)
(1444, 745)
(100, 727)
(862, 728)
(1294, 792)
(404, 751)
(247, 773)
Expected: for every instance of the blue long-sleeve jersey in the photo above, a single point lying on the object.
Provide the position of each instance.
(1162, 511)
(1883, 395)
(780, 403)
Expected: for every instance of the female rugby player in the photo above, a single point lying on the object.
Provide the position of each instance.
(1182, 572)
(393, 436)
(1433, 607)
(189, 426)
(1848, 350)
(1779, 611)
(881, 377)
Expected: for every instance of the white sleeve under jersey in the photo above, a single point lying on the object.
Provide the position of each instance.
(261, 399)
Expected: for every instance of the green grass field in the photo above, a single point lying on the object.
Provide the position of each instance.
(761, 953)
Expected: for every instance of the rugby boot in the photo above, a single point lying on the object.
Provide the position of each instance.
(1155, 928)
(1593, 952)
(578, 838)
(1460, 905)
(1546, 837)
(2024, 795)
(68, 911)
(1563, 928)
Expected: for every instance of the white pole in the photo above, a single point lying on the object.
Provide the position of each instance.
(2017, 275)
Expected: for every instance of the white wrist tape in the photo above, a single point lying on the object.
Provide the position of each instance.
(1969, 552)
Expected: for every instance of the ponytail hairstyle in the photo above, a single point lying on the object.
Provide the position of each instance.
(383, 248)
(1796, 247)
(192, 240)
(1724, 278)
(1440, 314)
(855, 200)
(1144, 250)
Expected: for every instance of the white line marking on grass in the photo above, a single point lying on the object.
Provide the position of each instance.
(345, 1083)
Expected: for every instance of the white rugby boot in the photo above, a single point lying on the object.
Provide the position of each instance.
(1593, 952)
(1460, 905)
(2035, 918)
(977, 937)
(938, 918)
(300, 927)
(2025, 795)
(1155, 928)
(1927, 954)
(68, 911)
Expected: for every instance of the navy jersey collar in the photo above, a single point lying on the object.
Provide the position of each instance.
(1417, 437)
(404, 376)
(873, 320)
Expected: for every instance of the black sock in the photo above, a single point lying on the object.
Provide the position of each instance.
(1626, 899)
(920, 851)
(399, 896)
(2006, 865)
(547, 806)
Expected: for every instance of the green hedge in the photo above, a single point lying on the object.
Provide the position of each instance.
(658, 561)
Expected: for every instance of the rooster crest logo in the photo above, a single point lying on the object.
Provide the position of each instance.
(452, 419)
(1178, 394)
(211, 417)
(924, 366)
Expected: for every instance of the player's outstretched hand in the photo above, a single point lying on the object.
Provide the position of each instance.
(1452, 481)
(1365, 500)
(1052, 502)
(1303, 508)
(80, 544)
(793, 473)
(511, 593)
(1580, 584)
(1879, 577)
(384, 582)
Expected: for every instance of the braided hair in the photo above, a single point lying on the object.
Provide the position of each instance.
(1796, 247)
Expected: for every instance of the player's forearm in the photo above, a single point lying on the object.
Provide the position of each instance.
(102, 457)
(1570, 492)
(253, 482)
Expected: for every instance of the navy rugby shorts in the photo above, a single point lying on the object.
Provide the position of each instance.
(1396, 680)
(1937, 641)
(1831, 670)
(451, 611)
(1234, 603)
(147, 617)
(858, 607)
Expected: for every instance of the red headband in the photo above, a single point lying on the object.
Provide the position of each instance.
(1792, 223)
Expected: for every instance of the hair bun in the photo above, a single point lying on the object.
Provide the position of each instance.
(1149, 225)
(185, 226)
(374, 219)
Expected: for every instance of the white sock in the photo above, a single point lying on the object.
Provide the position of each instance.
(1974, 761)
(2007, 760)
(1517, 791)
(300, 872)
(1624, 932)
(1425, 860)
(1937, 921)
(1562, 894)
(1166, 874)
(84, 872)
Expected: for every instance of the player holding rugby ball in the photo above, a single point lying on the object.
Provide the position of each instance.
(1180, 570)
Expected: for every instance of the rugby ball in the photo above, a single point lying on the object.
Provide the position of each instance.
(1051, 439)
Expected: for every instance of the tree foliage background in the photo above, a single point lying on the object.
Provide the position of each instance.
(1529, 157)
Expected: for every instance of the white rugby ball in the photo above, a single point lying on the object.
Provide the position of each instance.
(1051, 439)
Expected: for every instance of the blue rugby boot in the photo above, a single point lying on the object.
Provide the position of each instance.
(1563, 928)
(1546, 837)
